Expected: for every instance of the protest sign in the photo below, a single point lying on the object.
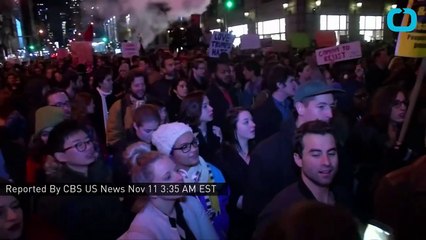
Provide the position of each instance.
(325, 38)
(62, 53)
(339, 53)
(82, 52)
(413, 43)
(129, 50)
(221, 42)
(250, 41)
(300, 40)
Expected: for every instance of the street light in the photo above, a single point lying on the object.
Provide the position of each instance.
(318, 3)
(285, 5)
(359, 4)
(246, 14)
(394, 6)
(41, 31)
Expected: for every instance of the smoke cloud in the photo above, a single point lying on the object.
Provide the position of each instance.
(148, 18)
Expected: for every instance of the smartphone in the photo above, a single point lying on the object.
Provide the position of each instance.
(377, 231)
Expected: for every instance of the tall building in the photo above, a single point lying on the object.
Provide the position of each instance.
(12, 36)
(60, 19)
(42, 20)
(75, 14)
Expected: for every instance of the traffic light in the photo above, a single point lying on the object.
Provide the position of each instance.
(31, 47)
(104, 39)
(229, 4)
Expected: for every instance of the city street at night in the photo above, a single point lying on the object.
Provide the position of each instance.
(212, 119)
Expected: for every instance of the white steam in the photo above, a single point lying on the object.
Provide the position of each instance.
(148, 18)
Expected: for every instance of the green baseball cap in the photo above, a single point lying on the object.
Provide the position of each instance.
(314, 88)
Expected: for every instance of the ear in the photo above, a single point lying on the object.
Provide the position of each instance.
(279, 85)
(297, 160)
(60, 157)
(300, 108)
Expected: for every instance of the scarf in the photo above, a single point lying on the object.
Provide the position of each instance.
(104, 104)
(202, 173)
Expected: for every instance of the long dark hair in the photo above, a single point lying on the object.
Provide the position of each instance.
(190, 108)
(381, 106)
(230, 129)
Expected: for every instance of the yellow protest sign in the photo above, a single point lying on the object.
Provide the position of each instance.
(413, 43)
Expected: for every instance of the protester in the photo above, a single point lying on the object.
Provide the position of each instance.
(233, 160)
(195, 110)
(178, 141)
(166, 217)
(179, 91)
(315, 153)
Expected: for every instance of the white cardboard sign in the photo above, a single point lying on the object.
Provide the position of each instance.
(220, 42)
(339, 53)
(129, 49)
(250, 41)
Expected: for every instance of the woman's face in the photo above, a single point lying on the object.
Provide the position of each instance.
(44, 135)
(184, 153)
(163, 114)
(165, 171)
(144, 132)
(399, 108)
(206, 111)
(245, 126)
(181, 89)
(359, 71)
(11, 218)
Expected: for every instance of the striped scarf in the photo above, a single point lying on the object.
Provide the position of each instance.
(202, 173)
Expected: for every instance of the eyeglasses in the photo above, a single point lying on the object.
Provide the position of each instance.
(398, 103)
(61, 104)
(187, 146)
(81, 146)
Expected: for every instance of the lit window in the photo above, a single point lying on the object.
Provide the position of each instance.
(338, 23)
(371, 27)
(274, 29)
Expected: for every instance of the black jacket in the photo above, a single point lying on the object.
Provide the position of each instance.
(235, 170)
(219, 104)
(271, 169)
(268, 119)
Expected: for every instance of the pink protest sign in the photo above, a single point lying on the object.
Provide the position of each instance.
(82, 52)
(339, 53)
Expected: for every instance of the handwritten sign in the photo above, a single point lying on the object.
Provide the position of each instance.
(339, 53)
(221, 42)
(130, 49)
(250, 41)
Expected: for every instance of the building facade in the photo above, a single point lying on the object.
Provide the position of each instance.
(278, 19)
(12, 35)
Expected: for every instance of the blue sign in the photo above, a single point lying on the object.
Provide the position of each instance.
(408, 28)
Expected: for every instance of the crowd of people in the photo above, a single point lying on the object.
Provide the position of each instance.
(304, 151)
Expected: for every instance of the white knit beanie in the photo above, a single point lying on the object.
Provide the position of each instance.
(166, 135)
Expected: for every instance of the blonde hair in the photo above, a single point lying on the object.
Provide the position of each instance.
(133, 151)
(141, 172)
